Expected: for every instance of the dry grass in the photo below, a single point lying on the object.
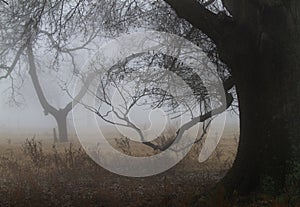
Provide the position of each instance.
(38, 173)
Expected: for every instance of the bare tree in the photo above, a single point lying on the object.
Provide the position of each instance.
(59, 30)
(139, 80)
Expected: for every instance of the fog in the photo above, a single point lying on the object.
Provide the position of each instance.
(28, 117)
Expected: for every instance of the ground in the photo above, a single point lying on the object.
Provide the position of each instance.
(37, 172)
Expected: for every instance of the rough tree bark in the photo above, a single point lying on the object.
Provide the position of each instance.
(260, 43)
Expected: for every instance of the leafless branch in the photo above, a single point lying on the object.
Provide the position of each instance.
(201, 18)
(10, 68)
(5, 2)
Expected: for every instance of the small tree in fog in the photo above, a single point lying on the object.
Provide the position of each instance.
(44, 35)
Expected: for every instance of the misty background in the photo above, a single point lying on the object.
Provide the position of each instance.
(27, 117)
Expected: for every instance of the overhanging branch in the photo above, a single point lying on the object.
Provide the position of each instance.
(213, 25)
(193, 122)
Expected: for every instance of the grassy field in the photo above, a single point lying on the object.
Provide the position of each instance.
(36, 172)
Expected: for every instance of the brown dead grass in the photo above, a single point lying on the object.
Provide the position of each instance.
(38, 173)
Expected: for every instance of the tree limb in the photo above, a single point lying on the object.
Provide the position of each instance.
(39, 91)
(5, 2)
(9, 69)
(83, 90)
(193, 122)
(209, 23)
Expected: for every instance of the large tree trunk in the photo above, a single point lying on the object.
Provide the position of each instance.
(260, 43)
(268, 125)
(267, 82)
